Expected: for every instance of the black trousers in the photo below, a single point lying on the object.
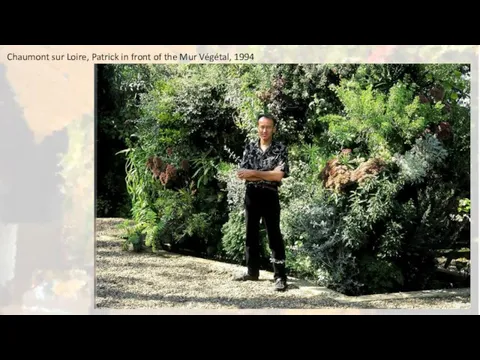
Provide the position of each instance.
(263, 203)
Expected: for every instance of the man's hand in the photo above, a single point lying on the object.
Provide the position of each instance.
(279, 167)
(245, 173)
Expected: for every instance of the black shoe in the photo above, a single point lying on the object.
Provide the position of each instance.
(280, 284)
(245, 277)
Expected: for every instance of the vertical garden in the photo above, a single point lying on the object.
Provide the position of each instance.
(379, 158)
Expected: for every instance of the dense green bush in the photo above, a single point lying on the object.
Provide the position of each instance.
(379, 166)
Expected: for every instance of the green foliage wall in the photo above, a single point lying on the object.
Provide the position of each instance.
(380, 159)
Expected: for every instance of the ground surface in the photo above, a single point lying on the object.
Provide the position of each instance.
(126, 280)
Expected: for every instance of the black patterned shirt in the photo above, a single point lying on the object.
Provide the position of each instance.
(254, 158)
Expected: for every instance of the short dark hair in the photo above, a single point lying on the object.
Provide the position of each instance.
(268, 116)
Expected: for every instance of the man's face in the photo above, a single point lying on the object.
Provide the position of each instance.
(265, 128)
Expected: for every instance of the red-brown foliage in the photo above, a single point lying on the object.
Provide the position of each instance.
(443, 130)
(338, 176)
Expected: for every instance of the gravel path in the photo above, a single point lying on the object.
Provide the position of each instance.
(126, 280)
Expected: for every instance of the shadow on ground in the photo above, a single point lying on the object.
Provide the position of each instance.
(222, 302)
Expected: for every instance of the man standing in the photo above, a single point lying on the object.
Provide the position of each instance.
(264, 165)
